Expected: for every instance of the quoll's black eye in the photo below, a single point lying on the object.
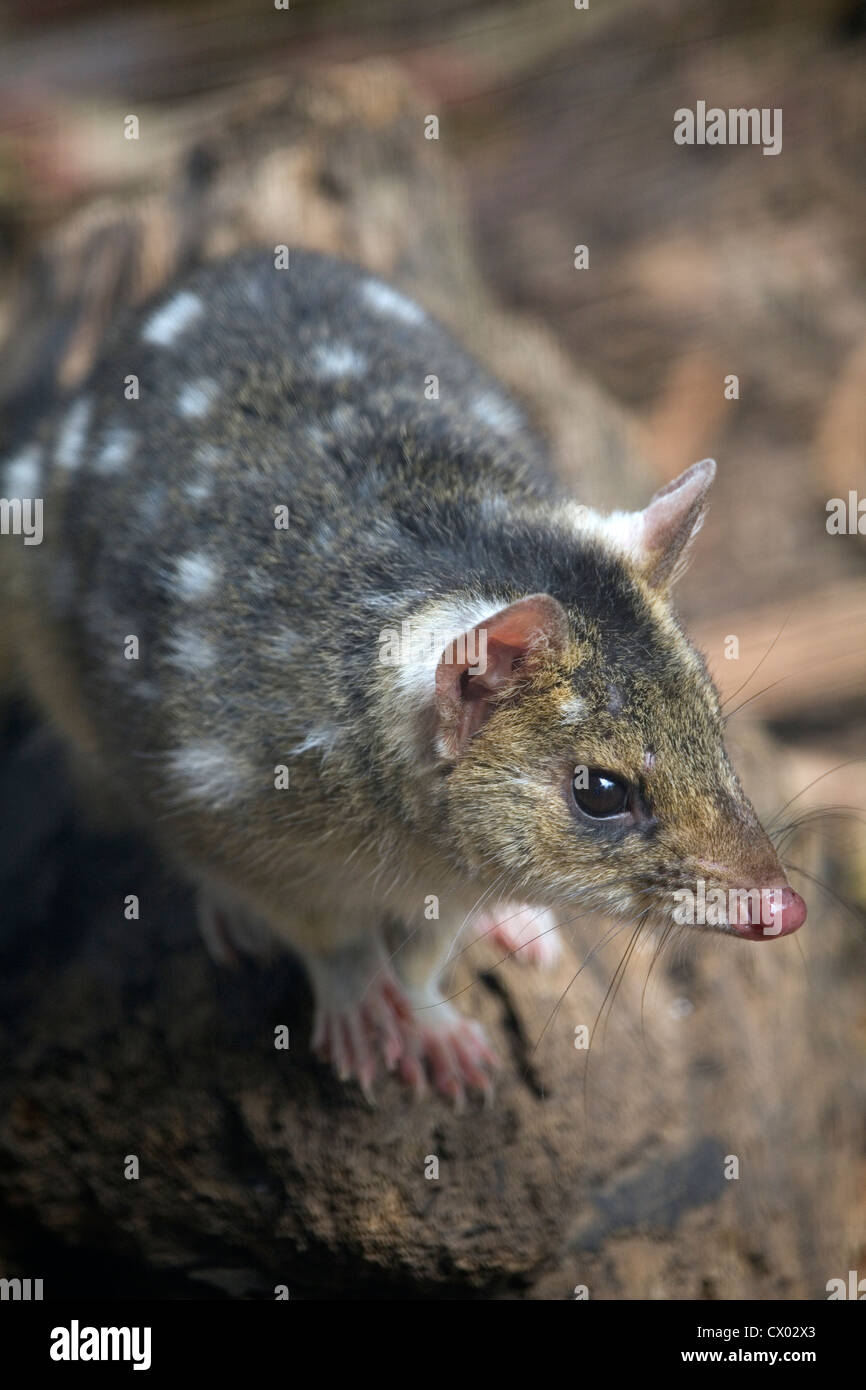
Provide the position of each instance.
(600, 794)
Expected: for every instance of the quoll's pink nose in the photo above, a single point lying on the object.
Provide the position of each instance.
(780, 912)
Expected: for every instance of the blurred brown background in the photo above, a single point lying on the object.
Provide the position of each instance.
(556, 129)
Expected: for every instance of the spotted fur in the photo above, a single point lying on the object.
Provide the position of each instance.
(259, 647)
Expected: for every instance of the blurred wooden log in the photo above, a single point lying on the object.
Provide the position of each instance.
(840, 444)
(810, 648)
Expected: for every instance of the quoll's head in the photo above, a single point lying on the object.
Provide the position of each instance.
(587, 766)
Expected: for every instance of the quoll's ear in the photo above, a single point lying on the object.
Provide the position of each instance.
(474, 670)
(662, 533)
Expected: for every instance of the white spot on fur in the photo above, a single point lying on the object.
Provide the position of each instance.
(494, 508)
(196, 398)
(116, 451)
(209, 458)
(316, 738)
(497, 412)
(209, 455)
(573, 708)
(430, 633)
(623, 530)
(70, 440)
(195, 576)
(283, 643)
(385, 300)
(317, 437)
(22, 475)
(393, 603)
(339, 360)
(168, 322)
(620, 532)
(343, 419)
(191, 650)
(199, 490)
(209, 771)
(574, 517)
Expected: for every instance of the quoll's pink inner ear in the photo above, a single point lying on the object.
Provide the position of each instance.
(473, 671)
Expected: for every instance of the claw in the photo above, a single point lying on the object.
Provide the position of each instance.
(434, 1045)
(355, 1036)
(457, 1055)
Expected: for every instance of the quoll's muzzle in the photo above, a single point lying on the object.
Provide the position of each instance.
(776, 911)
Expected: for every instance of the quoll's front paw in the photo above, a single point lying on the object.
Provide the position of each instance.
(528, 933)
(450, 1051)
(364, 1024)
(354, 1035)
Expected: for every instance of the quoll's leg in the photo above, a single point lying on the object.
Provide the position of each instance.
(444, 1046)
(362, 1013)
(230, 930)
(372, 1011)
(528, 933)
